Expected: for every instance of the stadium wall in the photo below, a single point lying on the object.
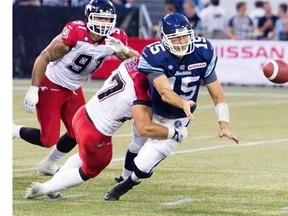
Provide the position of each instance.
(240, 62)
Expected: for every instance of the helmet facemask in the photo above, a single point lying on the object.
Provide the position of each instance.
(179, 49)
(101, 28)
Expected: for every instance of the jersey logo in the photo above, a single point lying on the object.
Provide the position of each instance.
(65, 32)
(181, 73)
(197, 65)
(177, 124)
(43, 88)
(100, 145)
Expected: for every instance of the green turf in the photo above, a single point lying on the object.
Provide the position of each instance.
(205, 175)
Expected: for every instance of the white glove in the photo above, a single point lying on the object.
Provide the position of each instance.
(116, 45)
(178, 134)
(31, 99)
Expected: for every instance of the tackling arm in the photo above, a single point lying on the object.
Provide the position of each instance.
(142, 116)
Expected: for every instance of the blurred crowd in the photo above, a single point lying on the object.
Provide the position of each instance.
(69, 3)
(211, 20)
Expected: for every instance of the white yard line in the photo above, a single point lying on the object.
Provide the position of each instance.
(202, 92)
(205, 148)
(180, 202)
(248, 103)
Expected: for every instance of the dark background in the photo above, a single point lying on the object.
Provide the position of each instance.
(35, 27)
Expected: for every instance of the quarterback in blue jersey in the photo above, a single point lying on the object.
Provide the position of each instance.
(175, 66)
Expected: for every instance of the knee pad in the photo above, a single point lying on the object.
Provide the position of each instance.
(141, 174)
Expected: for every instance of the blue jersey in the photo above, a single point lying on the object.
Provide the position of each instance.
(184, 75)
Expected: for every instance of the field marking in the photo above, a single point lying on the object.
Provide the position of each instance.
(248, 103)
(207, 148)
(201, 92)
(180, 202)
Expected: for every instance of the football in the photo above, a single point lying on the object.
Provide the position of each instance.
(276, 71)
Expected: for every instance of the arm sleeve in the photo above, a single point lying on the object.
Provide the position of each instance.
(141, 87)
(210, 74)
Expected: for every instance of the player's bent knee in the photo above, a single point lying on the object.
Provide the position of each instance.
(141, 174)
(49, 141)
(95, 169)
(48, 144)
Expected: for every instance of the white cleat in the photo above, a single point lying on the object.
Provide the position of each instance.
(47, 168)
(34, 191)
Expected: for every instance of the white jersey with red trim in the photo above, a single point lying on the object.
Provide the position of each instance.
(111, 106)
(84, 58)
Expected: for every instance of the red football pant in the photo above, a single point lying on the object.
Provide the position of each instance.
(55, 104)
(95, 149)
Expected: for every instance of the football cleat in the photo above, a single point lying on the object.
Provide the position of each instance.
(34, 191)
(55, 196)
(118, 179)
(120, 189)
(46, 167)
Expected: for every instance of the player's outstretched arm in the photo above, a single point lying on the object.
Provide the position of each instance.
(167, 94)
(222, 110)
(56, 49)
(225, 132)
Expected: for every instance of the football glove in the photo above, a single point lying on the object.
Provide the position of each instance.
(31, 99)
(116, 45)
(178, 134)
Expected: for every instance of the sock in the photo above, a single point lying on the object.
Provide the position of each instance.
(68, 176)
(73, 161)
(64, 145)
(129, 160)
(135, 178)
(55, 155)
(128, 167)
(126, 173)
(16, 131)
(31, 135)
(62, 181)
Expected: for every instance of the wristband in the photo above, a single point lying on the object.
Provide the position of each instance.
(222, 112)
(171, 133)
(125, 50)
(33, 89)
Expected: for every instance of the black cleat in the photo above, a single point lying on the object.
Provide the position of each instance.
(55, 196)
(120, 189)
(119, 179)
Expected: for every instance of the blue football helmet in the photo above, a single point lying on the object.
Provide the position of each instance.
(100, 9)
(176, 25)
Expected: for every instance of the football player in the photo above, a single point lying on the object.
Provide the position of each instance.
(59, 72)
(176, 66)
(123, 96)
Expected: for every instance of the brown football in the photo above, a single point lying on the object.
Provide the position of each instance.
(276, 71)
